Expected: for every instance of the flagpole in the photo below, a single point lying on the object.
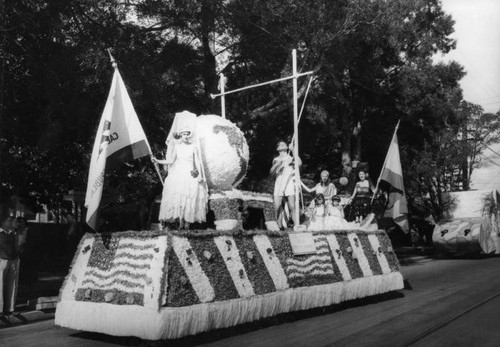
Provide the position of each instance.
(385, 162)
(296, 142)
(112, 59)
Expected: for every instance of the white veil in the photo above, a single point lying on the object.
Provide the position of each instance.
(184, 121)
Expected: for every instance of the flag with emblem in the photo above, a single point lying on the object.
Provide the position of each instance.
(120, 138)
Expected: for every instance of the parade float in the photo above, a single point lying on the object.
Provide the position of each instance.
(470, 224)
(166, 284)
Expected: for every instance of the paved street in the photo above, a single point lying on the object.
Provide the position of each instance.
(453, 302)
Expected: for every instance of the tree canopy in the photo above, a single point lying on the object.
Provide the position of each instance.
(372, 61)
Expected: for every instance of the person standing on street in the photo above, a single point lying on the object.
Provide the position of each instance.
(9, 266)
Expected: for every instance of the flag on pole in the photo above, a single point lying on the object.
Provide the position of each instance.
(392, 173)
(119, 139)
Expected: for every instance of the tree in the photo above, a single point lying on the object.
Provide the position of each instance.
(55, 80)
(372, 64)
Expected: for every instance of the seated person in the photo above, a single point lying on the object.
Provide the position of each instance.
(335, 216)
(318, 214)
(324, 187)
(360, 198)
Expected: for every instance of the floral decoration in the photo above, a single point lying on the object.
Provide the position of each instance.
(233, 265)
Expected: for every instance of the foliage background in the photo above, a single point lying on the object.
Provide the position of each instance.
(372, 62)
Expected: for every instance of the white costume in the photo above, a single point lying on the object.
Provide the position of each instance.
(184, 196)
(318, 217)
(285, 182)
(328, 191)
(335, 219)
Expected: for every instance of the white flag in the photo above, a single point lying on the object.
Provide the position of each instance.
(119, 139)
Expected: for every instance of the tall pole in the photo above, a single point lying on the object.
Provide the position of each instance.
(223, 97)
(296, 135)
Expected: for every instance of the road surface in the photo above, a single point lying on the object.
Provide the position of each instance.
(452, 302)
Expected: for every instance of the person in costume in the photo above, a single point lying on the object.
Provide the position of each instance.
(335, 219)
(185, 193)
(319, 214)
(284, 186)
(361, 197)
(324, 187)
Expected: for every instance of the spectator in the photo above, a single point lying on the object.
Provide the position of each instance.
(9, 266)
(22, 232)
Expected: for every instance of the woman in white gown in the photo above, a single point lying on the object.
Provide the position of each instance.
(185, 194)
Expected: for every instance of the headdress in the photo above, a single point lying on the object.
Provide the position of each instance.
(183, 121)
(336, 198)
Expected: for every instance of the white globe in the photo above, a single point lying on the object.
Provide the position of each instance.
(224, 151)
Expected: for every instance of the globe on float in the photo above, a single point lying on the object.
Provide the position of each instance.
(224, 152)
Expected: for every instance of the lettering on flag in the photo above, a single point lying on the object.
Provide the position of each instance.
(120, 138)
(105, 138)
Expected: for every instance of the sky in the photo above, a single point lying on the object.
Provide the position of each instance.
(477, 31)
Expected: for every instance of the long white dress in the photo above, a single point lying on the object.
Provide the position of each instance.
(318, 216)
(335, 219)
(183, 195)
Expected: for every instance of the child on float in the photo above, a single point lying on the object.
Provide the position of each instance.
(185, 193)
(335, 219)
(318, 214)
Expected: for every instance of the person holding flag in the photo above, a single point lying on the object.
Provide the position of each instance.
(120, 138)
(185, 193)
